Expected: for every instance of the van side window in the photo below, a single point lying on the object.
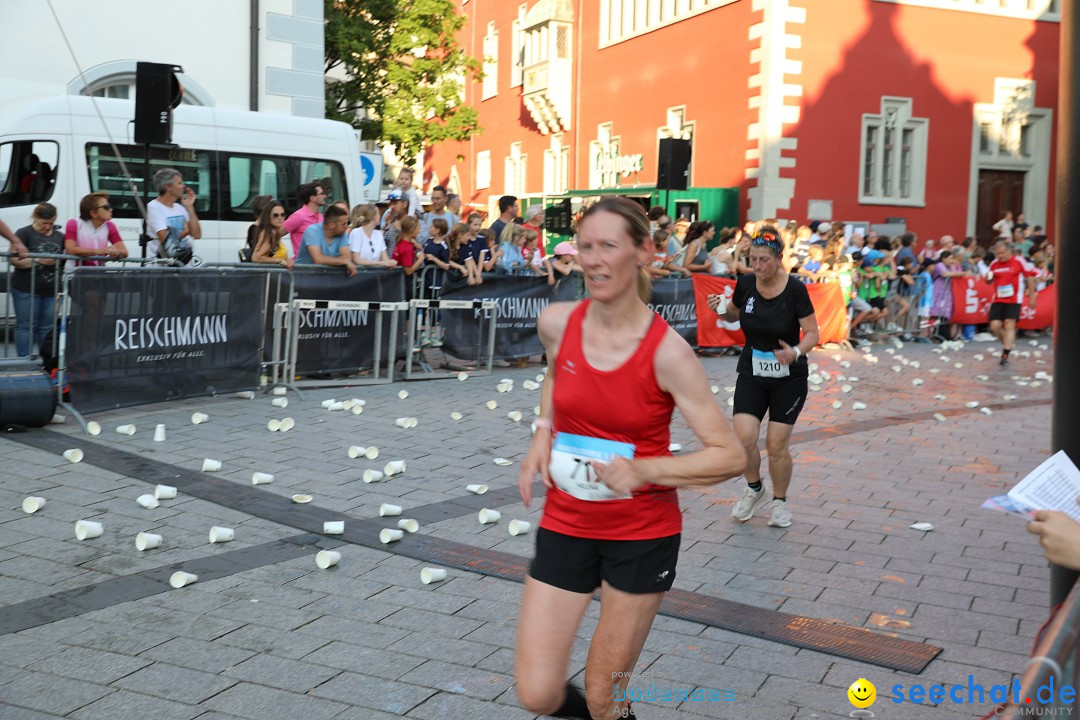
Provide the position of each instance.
(28, 171)
(107, 174)
(245, 176)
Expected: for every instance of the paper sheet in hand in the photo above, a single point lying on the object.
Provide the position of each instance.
(1054, 485)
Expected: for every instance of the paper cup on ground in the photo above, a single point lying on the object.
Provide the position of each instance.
(408, 525)
(325, 559)
(462, 376)
(280, 390)
(514, 415)
(126, 429)
(273, 425)
(147, 541)
(403, 422)
(402, 394)
(477, 489)
(456, 415)
(159, 433)
(389, 510)
(356, 451)
(221, 534)
(261, 478)
(487, 516)
(58, 419)
(373, 452)
(199, 418)
(209, 465)
(395, 467)
(86, 529)
(180, 578)
(519, 527)
(337, 406)
(245, 395)
(32, 504)
(74, 455)
(502, 461)
(357, 409)
(371, 476)
(93, 428)
(301, 498)
(389, 535)
(287, 424)
(491, 404)
(280, 402)
(164, 492)
(147, 501)
(432, 575)
(327, 403)
(333, 527)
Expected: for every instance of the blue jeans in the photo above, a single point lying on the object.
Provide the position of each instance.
(41, 307)
(968, 332)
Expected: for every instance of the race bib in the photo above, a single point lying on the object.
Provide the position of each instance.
(572, 465)
(766, 365)
(1005, 291)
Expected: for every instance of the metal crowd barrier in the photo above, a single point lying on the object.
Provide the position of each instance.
(416, 368)
(292, 323)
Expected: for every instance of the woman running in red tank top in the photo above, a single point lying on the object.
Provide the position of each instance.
(611, 516)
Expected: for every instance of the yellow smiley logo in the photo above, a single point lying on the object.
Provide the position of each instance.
(862, 693)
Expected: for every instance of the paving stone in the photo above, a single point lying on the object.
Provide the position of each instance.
(447, 705)
(263, 703)
(454, 678)
(90, 665)
(126, 705)
(281, 673)
(197, 654)
(52, 693)
(375, 693)
(175, 683)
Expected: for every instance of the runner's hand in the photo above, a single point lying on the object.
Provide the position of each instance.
(619, 475)
(1059, 536)
(536, 462)
(786, 354)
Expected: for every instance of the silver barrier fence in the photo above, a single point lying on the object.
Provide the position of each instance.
(291, 315)
(486, 312)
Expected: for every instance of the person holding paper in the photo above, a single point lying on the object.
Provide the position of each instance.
(1008, 274)
(611, 515)
(778, 320)
(1059, 536)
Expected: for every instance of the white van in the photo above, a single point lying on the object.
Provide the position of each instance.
(56, 150)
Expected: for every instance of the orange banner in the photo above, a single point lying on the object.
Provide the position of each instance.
(827, 299)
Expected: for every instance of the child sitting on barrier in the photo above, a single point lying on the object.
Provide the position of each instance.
(461, 259)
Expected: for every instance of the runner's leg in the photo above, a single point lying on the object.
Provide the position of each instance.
(548, 619)
(777, 436)
(748, 429)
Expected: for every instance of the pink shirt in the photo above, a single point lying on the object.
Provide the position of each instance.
(87, 237)
(297, 223)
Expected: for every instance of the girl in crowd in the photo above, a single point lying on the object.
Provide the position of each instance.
(721, 256)
(943, 273)
(741, 258)
(33, 282)
(697, 254)
(367, 244)
(408, 253)
(513, 240)
(492, 254)
(93, 232)
(617, 373)
(460, 259)
(268, 233)
(773, 309)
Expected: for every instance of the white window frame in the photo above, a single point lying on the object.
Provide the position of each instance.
(895, 116)
(556, 166)
(490, 83)
(517, 47)
(1045, 10)
(515, 166)
(621, 20)
(483, 169)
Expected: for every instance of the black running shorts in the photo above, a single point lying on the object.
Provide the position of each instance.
(579, 564)
(1004, 311)
(783, 400)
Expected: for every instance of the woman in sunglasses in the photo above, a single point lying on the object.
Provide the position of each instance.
(780, 326)
(93, 233)
(268, 234)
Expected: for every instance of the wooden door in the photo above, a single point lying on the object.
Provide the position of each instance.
(999, 190)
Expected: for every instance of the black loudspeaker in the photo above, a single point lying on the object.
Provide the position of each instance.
(674, 165)
(27, 396)
(157, 92)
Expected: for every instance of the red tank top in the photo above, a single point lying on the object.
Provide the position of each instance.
(623, 405)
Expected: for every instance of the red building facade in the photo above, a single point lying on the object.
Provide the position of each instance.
(936, 112)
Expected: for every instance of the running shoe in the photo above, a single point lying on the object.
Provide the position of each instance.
(749, 503)
(1004, 360)
(779, 515)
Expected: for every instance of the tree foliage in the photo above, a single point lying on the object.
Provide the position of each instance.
(404, 71)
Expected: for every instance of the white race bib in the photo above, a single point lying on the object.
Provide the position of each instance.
(572, 460)
(766, 365)
(1005, 291)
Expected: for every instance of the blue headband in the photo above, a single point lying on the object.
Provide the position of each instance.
(767, 239)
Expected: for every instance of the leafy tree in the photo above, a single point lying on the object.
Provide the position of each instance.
(404, 68)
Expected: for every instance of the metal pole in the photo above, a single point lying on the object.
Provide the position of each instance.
(1066, 412)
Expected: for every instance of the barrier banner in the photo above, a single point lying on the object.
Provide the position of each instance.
(521, 299)
(140, 336)
(972, 298)
(341, 340)
(827, 299)
(673, 299)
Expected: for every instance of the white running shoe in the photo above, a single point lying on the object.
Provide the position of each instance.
(779, 515)
(749, 503)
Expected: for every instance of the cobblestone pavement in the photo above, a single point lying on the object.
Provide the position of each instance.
(281, 639)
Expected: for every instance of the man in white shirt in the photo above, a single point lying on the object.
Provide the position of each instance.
(438, 210)
(171, 218)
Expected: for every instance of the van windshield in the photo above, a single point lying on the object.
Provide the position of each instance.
(27, 171)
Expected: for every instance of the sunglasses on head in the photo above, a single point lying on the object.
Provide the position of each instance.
(764, 238)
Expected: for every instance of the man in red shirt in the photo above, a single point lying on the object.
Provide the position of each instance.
(1007, 274)
(312, 197)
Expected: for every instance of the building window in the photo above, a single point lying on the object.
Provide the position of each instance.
(517, 47)
(514, 169)
(1049, 10)
(623, 19)
(985, 130)
(556, 166)
(483, 169)
(1025, 140)
(491, 63)
(894, 148)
